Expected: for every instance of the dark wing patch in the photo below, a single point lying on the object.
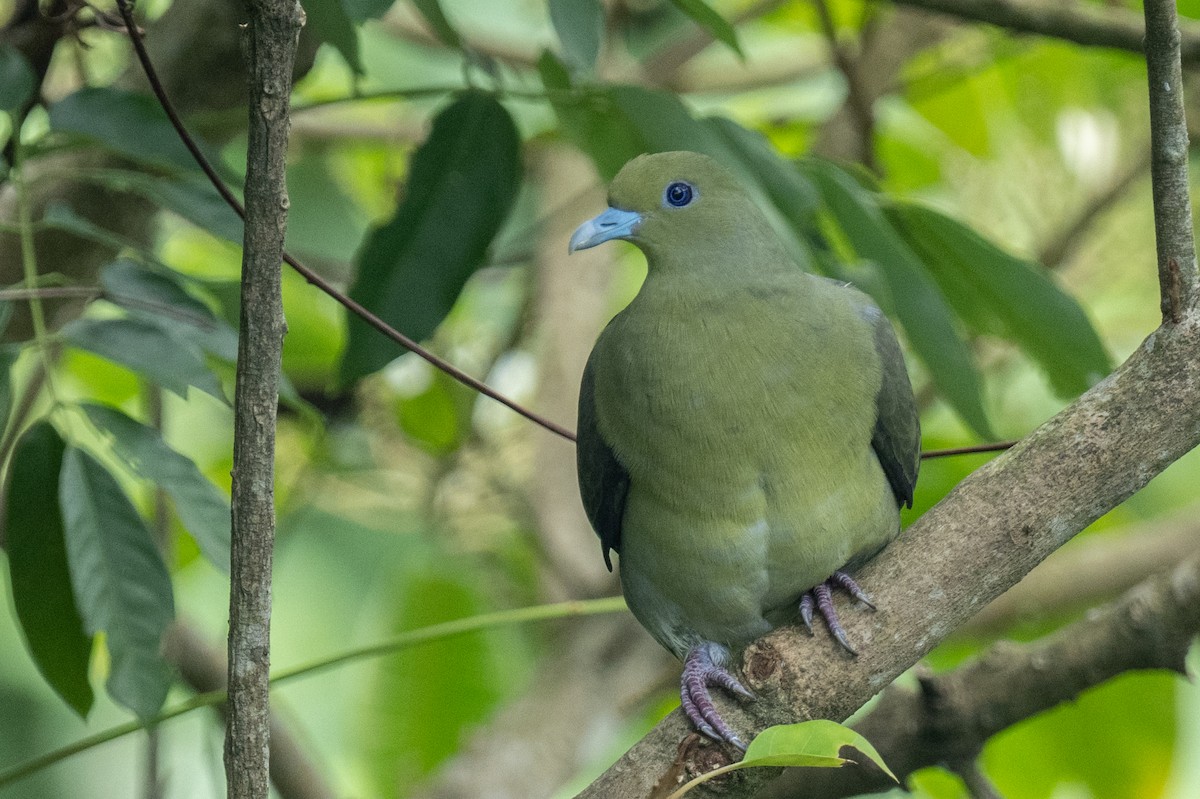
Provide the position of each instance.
(897, 435)
(603, 481)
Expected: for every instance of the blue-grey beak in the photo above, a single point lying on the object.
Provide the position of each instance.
(612, 224)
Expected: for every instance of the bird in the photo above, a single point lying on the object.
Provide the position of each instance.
(747, 431)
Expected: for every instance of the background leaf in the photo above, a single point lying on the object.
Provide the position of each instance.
(1004, 296)
(120, 581)
(37, 566)
(579, 25)
(463, 181)
(914, 296)
(148, 349)
(8, 357)
(331, 23)
(131, 124)
(201, 506)
(432, 11)
(17, 81)
(704, 16)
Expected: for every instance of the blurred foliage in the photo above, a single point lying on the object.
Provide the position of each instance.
(406, 500)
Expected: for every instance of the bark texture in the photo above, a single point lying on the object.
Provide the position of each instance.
(270, 48)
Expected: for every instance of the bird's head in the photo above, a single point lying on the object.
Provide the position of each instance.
(673, 203)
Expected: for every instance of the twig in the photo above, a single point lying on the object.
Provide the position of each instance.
(311, 276)
(995, 446)
(1081, 23)
(269, 44)
(1177, 277)
(1054, 252)
(857, 98)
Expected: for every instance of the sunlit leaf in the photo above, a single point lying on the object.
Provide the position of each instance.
(809, 742)
(128, 123)
(711, 21)
(818, 743)
(439, 417)
(121, 584)
(37, 565)
(915, 297)
(579, 25)
(462, 184)
(148, 349)
(201, 506)
(17, 81)
(1002, 295)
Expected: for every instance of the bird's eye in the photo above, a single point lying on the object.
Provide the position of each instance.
(679, 194)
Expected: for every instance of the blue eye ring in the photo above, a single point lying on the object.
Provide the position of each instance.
(679, 193)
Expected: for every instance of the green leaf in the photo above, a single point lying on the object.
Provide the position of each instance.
(128, 123)
(158, 295)
(818, 743)
(579, 25)
(148, 349)
(788, 189)
(439, 417)
(17, 80)
(704, 16)
(461, 186)
(432, 11)
(201, 506)
(120, 581)
(914, 295)
(8, 356)
(37, 566)
(190, 196)
(999, 294)
(331, 23)
(616, 123)
(363, 10)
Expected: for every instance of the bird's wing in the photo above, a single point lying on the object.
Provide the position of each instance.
(897, 435)
(603, 481)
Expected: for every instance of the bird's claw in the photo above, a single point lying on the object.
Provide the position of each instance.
(821, 598)
(705, 666)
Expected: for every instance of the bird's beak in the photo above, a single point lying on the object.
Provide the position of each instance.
(612, 224)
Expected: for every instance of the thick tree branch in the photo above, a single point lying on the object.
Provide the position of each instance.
(1081, 23)
(1091, 570)
(270, 49)
(980, 540)
(953, 715)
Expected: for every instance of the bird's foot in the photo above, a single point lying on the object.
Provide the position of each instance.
(821, 597)
(705, 666)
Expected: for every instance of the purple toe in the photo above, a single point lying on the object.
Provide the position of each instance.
(820, 598)
(705, 666)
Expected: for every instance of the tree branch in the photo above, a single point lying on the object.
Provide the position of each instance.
(952, 715)
(1177, 276)
(1089, 571)
(1081, 23)
(980, 540)
(270, 48)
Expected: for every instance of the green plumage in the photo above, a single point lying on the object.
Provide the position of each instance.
(745, 428)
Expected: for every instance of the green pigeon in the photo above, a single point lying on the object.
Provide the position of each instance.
(747, 431)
